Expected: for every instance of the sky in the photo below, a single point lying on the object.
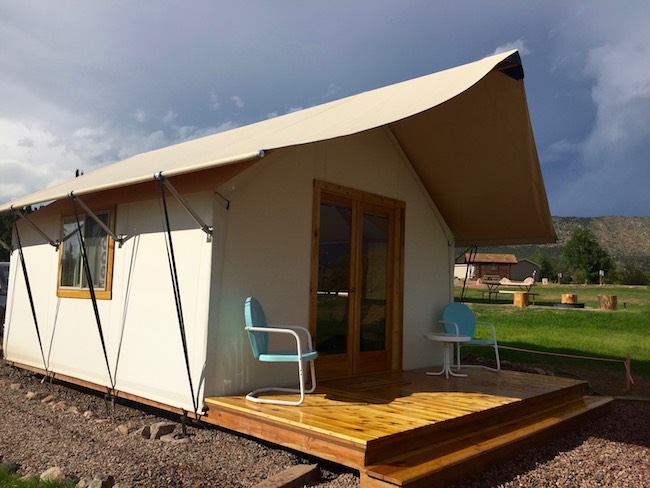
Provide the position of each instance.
(87, 83)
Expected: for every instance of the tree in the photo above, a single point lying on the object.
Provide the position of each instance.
(585, 257)
(547, 269)
(6, 228)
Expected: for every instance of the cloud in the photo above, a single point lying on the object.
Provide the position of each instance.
(169, 117)
(609, 168)
(239, 103)
(139, 115)
(214, 101)
(560, 151)
(26, 142)
(30, 166)
(519, 44)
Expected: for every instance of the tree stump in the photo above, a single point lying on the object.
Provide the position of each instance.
(607, 302)
(569, 298)
(520, 299)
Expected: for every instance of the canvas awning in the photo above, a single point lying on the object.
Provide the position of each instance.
(465, 130)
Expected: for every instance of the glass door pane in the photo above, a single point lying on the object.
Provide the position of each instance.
(334, 250)
(374, 281)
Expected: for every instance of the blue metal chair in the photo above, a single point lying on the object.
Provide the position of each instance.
(258, 331)
(458, 319)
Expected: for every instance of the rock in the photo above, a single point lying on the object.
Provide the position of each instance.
(48, 399)
(84, 482)
(89, 414)
(103, 482)
(125, 429)
(145, 432)
(74, 410)
(59, 405)
(540, 371)
(15, 386)
(159, 429)
(174, 438)
(71, 480)
(53, 474)
(121, 485)
(37, 397)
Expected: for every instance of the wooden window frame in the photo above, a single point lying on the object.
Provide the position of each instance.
(105, 293)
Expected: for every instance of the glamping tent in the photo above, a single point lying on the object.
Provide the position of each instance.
(342, 217)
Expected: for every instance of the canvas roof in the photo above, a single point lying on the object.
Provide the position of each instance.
(457, 127)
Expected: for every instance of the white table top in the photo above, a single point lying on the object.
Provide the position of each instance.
(443, 337)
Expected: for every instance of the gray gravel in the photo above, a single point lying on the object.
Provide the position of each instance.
(612, 451)
(38, 436)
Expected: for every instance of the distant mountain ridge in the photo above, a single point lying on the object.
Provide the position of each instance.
(626, 239)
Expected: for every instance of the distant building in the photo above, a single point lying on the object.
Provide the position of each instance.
(523, 269)
(489, 266)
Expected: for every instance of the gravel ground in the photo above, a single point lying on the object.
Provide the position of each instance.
(38, 436)
(612, 451)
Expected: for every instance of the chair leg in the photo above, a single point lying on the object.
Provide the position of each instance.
(312, 369)
(496, 353)
(252, 396)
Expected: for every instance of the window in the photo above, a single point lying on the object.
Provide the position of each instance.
(99, 250)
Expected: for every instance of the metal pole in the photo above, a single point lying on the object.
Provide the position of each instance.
(208, 229)
(117, 238)
(23, 216)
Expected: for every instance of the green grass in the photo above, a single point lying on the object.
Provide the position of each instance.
(9, 480)
(584, 332)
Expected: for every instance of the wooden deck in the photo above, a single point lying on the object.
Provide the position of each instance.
(410, 429)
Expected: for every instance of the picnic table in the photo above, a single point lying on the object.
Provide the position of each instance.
(493, 286)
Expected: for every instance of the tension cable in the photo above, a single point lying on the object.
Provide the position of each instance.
(177, 293)
(91, 289)
(30, 296)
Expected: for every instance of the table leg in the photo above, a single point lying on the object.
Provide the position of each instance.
(449, 352)
(446, 365)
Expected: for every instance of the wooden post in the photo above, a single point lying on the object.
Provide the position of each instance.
(520, 299)
(569, 298)
(607, 302)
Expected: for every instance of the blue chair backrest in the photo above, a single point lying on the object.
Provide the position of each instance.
(461, 315)
(254, 317)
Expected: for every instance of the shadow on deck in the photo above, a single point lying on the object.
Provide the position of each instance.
(410, 429)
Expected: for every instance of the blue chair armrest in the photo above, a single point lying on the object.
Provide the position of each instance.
(291, 330)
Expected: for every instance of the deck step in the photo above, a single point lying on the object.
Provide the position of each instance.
(444, 462)
(466, 426)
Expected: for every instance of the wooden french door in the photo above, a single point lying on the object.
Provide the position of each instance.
(356, 286)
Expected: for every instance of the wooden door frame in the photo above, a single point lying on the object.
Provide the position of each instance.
(395, 286)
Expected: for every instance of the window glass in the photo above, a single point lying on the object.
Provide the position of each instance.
(72, 275)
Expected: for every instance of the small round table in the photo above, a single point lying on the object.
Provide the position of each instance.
(448, 341)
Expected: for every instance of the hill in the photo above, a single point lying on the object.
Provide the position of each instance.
(626, 239)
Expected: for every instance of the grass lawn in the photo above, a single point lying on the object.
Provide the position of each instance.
(585, 332)
(9, 480)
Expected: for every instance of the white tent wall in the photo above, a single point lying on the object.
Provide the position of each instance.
(268, 251)
(20, 339)
(139, 323)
